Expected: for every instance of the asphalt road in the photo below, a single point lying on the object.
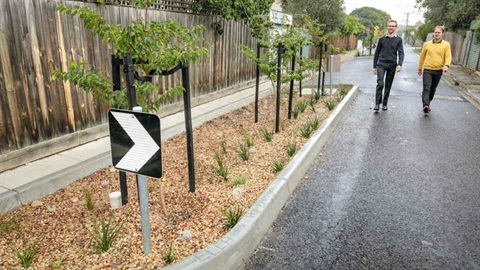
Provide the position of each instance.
(396, 189)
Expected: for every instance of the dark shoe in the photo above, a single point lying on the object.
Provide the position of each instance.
(426, 109)
(377, 107)
(384, 108)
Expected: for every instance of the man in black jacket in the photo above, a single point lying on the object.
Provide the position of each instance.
(385, 62)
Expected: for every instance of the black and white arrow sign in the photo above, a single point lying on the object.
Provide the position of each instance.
(136, 142)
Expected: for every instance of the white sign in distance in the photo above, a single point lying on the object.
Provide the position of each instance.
(135, 139)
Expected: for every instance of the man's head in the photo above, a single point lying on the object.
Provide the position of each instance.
(391, 27)
(438, 32)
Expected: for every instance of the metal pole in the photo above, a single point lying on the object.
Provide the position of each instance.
(143, 201)
(320, 67)
(130, 80)
(144, 214)
(300, 84)
(188, 127)
(331, 72)
(323, 74)
(257, 83)
(290, 97)
(279, 85)
(116, 63)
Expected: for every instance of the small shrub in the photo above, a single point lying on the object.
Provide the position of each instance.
(168, 256)
(87, 194)
(104, 235)
(278, 164)
(330, 103)
(344, 89)
(291, 149)
(302, 105)
(249, 141)
(243, 152)
(305, 130)
(268, 135)
(314, 123)
(295, 112)
(25, 255)
(239, 180)
(318, 95)
(221, 169)
(233, 216)
(311, 105)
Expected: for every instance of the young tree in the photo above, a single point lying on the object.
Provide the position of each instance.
(254, 13)
(154, 46)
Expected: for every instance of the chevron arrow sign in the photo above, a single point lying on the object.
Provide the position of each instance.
(135, 140)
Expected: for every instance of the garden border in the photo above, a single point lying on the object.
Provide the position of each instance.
(235, 248)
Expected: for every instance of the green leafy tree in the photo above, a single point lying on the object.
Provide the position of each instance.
(155, 47)
(291, 40)
(453, 14)
(352, 26)
(254, 13)
(371, 17)
(423, 31)
(327, 12)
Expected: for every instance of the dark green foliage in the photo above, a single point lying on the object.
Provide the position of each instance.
(278, 164)
(168, 256)
(25, 255)
(221, 169)
(267, 134)
(233, 216)
(104, 234)
(291, 149)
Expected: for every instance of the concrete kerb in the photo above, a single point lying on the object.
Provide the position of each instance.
(232, 250)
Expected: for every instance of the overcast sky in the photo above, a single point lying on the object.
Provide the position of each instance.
(397, 9)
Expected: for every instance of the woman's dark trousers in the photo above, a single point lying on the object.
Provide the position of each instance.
(431, 78)
(390, 74)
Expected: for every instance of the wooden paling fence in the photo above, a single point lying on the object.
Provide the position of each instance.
(35, 39)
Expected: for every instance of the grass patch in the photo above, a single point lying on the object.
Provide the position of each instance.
(104, 234)
(291, 149)
(278, 164)
(221, 169)
(330, 103)
(25, 255)
(267, 134)
(239, 180)
(233, 216)
(87, 195)
(167, 255)
(243, 152)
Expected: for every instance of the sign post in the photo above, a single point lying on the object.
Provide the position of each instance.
(135, 140)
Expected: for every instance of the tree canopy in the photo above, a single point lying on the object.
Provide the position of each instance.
(254, 12)
(327, 12)
(453, 14)
(371, 17)
(352, 26)
(423, 31)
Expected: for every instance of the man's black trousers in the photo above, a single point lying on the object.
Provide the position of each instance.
(431, 78)
(390, 74)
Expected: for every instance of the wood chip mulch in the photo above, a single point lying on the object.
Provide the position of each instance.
(61, 226)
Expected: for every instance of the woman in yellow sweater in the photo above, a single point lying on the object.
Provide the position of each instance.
(435, 58)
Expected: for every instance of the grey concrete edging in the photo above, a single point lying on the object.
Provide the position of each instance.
(232, 250)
